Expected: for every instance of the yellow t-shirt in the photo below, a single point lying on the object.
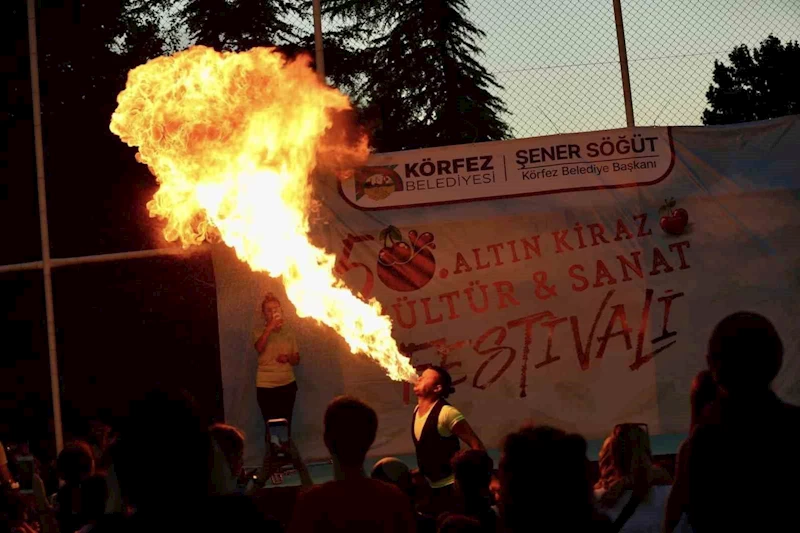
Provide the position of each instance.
(271, 373)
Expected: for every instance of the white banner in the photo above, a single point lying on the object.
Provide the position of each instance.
(524, 167)
(576, 285)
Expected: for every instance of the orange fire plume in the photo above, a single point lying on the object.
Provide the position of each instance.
(232, 139)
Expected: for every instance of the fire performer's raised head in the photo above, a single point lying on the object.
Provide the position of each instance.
(435, 383)
(350, 429)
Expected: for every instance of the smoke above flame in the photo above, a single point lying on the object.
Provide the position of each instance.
(232, 139)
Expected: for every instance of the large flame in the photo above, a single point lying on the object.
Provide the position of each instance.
(232, 139)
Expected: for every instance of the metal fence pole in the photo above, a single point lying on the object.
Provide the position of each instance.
(320, 59)
(45, 235)
(623, 64)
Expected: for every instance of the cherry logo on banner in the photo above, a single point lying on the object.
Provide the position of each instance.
(406, 266)
(673, 221)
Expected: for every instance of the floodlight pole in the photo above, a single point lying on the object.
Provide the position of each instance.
(45, 235)
(320, 59)
(623, 64)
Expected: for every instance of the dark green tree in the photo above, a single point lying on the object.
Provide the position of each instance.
(757, 85)
(424, 84)
(86, 49)
(344, 65)
(238, 25)
(241, 24)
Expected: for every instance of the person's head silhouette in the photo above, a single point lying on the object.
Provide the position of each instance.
(350, 429)
(745, 353)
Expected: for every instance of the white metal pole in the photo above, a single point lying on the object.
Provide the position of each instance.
(33, 265)
(623, 64)
(45, 236)
(101, 258)
(320, 59)
(104, 258)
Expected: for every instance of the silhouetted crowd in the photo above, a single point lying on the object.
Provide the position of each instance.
(739, 469)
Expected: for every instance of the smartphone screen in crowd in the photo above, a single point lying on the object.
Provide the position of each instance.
(26, 467)
(278, 431)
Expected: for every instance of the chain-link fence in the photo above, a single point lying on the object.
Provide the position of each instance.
(672, 47)
(559, 64)
(558, 60)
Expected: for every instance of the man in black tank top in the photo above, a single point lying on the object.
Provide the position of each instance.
(436, 428)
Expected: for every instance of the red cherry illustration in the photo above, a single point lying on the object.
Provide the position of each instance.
(386, 257)
(401, 252)
(675, 220)
(672, 225)
(424, 240)
(403, 267)
(682, 214)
